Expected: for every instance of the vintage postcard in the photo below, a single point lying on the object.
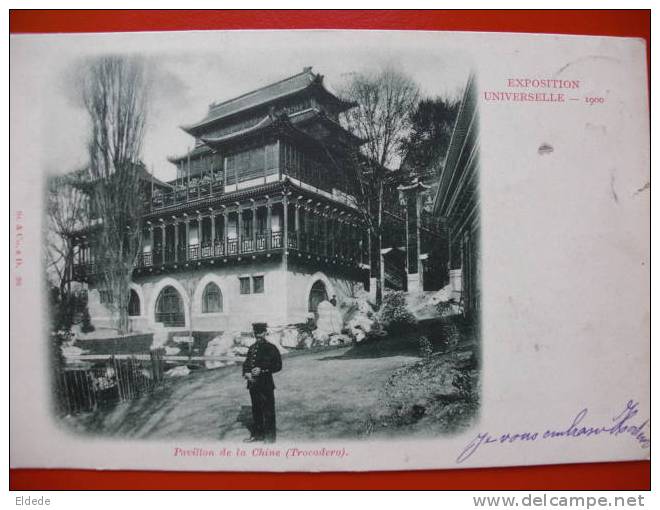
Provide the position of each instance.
(328, 250)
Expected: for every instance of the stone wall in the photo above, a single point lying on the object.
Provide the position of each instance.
(299, 281)
(284, 300)
(238, 310)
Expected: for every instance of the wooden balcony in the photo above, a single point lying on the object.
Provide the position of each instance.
(298, 244)
(184, 195)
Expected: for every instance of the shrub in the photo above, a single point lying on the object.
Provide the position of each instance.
(443, 308)
(394, 314)
(450, 335)
(463, 384)
(87, 326)
(425, 347)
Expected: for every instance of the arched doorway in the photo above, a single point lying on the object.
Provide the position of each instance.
(317, 294)
(169, 308)
(134, 304)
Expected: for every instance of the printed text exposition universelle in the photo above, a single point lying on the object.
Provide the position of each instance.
(543, 90)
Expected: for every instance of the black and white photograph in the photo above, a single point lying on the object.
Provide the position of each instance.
(318, 234)
(328, 250)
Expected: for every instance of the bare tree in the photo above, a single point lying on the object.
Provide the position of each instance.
(384, 101)
(190, 285)
(67, 212)
(115, 96)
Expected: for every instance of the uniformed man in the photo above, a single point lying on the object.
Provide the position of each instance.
(262, 361)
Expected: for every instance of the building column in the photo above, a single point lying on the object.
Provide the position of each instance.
(347, 237)
(382, 268)
(254, 225)
(350, 238)
(239, 229)
(314, 217)
(296, 221)
(285, 228)
(302, 235)
(326, 237)
(151, 242)
(162, 258)
(339, 246)
(225, 237)
(331, 233)
(269, 225)
(413, 202)
(176, 240)
(187, 221)
(212, 216)
(200, 236)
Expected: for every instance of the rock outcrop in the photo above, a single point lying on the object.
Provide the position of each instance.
(330, 318)
(220, 346)
(289, 337)
(320, 337)
(180, 371)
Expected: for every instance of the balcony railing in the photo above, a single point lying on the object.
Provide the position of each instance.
(261, 240)
(207, 249)
(185, 194)
(333, 248)
(232, 246)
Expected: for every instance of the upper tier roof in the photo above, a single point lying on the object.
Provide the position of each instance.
(200, 150)
(264, 96)
(143, 174)
(150, 177)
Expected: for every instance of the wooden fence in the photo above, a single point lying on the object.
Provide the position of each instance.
(100, 381)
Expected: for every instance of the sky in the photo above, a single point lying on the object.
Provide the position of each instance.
(191, 70)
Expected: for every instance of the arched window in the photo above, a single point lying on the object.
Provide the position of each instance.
(133, 304)
(169, 308)
(212, 299)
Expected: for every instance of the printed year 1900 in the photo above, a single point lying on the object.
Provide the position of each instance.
(592, 100)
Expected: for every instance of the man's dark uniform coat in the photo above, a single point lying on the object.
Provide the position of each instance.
(265, 356)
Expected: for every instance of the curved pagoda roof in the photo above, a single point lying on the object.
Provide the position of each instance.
(265, 96)
(266, 122)
(282, 123)
(80, 178)
(200, 150)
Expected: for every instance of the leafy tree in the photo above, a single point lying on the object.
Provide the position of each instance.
(431, 126)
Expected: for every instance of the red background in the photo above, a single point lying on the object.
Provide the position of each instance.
(622, 476)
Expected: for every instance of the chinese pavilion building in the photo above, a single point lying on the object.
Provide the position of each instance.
(456, 204)
(261, 222)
